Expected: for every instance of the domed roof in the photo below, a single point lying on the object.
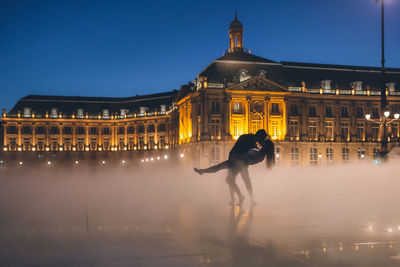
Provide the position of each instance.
(236, 25)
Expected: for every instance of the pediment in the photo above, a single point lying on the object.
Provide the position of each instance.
(259, 83)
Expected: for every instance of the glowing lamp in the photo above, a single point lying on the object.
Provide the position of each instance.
(368, 116)
(386, 113)
(182, 155)
(73, 148)
(49, 162)
(125, 148)
(100, 149)
(87, 148)
(20, 163)
(33, 148)
(396, 116)
(165, 156)
(277, 155)
(123, 161)
(142, 160)
(104, 162)
(390, 230)
(61, 148)
(76, 162)
(5, 148)
(319, 155)
(158, 158)
(145, 147)
(47, 148)
(166, 146)
(147, 160)
(19, 148)
(155, 147)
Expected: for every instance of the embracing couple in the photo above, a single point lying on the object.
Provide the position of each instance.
(249, 149)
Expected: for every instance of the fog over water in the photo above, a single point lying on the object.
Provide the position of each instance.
(174, 217)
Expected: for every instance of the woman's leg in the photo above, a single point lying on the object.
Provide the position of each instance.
(214, 169)
(244, 172)
(233, 187)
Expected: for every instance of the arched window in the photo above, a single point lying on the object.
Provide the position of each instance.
(313, 156)
(345, 154)
(329, 155)
(294, 156)
(256, 123)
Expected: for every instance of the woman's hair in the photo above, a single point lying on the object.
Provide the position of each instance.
(268, 149)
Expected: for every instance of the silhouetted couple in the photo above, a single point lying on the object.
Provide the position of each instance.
(245, 152)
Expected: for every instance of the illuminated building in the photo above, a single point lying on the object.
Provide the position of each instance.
(315, 113)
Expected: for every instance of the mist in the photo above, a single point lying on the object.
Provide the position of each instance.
(342, 215)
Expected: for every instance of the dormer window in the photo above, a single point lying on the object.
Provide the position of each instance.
(124, 111)
(262, 73)
(326, 84)
(357, 85)
(163, 108)
(79, 113)
(106, 113)
(27, 112)
(53, 113)
(390, 86)
(142, 111)
(243, 75)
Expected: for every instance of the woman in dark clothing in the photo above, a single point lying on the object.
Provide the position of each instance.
(243, 154)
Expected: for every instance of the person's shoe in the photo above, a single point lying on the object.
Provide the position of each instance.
(198, 171)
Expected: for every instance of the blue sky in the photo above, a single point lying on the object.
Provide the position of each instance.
(123, 48)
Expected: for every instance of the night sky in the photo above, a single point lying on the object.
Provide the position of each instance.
(123, 48)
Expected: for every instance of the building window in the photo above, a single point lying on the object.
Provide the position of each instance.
(357, 85)
(395, 129)
(121, 143)
(295, 130)
(131, 129)
(93, 130)
(54, 144)
(275, 108)
(54, 130)
(326, 84)
(40, 130)
(13, 143)
(93, 144)
(151, 141)
(390, 86)
(67, 130)
(40, 143)
(345, 112)
(312, 130)
(294, 109)
(360, 131)
(215, 154)
(256, 123)
(26, 144)
(121, 130)
(215, 126)
(360, 112)
(26, 130)
(150, 128)
(275, 134)
(312, 111)
(344, 128)
(313, 156)
(237, 107)
(106, 144)
(140, 128)
(161, 141)
(106, 131)
(375, 112)
(67, 144)
(131, 143)
(12, 129)
(141, 142)
(345, 154)
(161, 127)
(81, 143)
(81, 130)
(375, 131)
(329, 131)
(328, 111)
(215, 107)
(329, 155)
(294, 156)
(237, 128)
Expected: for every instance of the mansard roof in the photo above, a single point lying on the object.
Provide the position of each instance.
(93, 105)
(227, 70)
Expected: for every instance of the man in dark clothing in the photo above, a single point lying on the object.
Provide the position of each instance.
(244, 153)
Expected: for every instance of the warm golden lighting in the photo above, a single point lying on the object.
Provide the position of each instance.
(99, 148)
(73, 148)
(33, 148)
(125, 148)
(61, 148)
(19, 148)
(87, 148)
(5, 148)
(47, 148)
